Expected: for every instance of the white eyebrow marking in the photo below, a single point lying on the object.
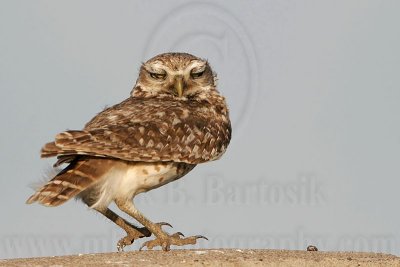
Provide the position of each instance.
(156, 67)
(198, 65)
(160, 67)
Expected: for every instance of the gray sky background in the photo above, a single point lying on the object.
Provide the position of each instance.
(314, 93)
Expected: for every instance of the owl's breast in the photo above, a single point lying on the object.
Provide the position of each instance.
(127, 179)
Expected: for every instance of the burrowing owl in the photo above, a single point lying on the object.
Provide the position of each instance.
(174, 119)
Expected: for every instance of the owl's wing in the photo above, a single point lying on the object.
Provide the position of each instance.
(145, 141)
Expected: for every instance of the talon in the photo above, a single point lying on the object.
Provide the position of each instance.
(179, 234)
(201, 236)
(164, 224)
(165, 247)
(120, 247)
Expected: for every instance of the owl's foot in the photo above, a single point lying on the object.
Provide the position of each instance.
(175, 239)
(136, 233)
(131, 236)
(163, 239)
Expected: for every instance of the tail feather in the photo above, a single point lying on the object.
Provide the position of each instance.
(49, 150)
(80, 174)
(65, 144)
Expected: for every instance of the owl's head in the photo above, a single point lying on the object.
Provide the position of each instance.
(179, 75)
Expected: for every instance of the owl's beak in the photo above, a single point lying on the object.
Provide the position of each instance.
(179, 86)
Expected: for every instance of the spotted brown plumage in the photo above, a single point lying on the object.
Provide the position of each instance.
(155, 130)
(174, 119)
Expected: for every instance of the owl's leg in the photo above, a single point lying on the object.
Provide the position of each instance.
(163, 239)
(133, 232)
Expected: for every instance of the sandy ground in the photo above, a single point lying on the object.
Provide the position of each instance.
(220, 257)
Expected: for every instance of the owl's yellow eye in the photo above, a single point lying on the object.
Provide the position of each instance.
(158, 76)
(196, 75)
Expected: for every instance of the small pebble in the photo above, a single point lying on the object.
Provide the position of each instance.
(312, 248)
